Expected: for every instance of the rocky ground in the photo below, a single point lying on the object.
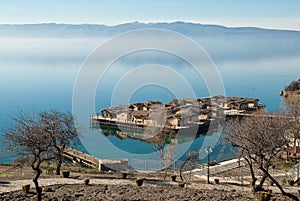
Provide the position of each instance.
(111, 186)
(127, 192)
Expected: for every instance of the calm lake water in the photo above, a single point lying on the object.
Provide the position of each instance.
(39, 74)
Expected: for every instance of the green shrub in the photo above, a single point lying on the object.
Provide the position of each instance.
(217, 181)
(173, 177)
(180, 184)
(65, 173)
(50, 171)
(124, 175)
(139, 182)
(86, 181)
(26, 188)
(264, 196)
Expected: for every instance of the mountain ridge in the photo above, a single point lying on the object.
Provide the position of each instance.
(95, 30)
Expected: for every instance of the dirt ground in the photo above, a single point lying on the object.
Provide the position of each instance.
(111, 186)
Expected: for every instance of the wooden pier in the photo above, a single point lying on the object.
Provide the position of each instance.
(93, 162)
(82, 158)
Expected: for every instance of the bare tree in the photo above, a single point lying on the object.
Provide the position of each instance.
(189, 164)
(169, 156)
(292, 108)
(61, 128)
(27, 138)
(260, 139)
(158, 143)
(238, 132)
(166, 153)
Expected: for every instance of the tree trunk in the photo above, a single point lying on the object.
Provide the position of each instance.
(261, 183)
(58, 166)
(36, 183)
(292, 196)
(60, 152)
(254, 179)
(181, 171)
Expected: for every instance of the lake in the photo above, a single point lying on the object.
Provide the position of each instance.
(40, 74)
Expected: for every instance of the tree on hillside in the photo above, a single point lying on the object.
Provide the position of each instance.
(260, 139)
(27, 138)
(294, 86)
(292, 109)
(61, 128)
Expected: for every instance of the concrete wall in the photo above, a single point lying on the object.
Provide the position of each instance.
(113, 164)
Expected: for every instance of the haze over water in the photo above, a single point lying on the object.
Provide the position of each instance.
(38, 74)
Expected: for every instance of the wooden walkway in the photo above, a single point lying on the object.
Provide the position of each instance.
(93, 162)
(81, 157)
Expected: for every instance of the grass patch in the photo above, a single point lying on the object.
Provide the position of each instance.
(8, 174)
(48, 165)
(283, 165)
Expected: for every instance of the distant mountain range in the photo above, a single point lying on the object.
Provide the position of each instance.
(91, 30)
(223, 43)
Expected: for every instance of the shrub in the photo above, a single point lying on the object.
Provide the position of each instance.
(139, 182)
(264, 196)
(124, 175)
(50, 170)
(213, 163)
(26, 188)
(86, 181)
(180, 184)
(173, 177)
(65, 173)
(217, 181)
(232, 190)
(271, 183)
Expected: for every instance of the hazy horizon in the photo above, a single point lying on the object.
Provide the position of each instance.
(277, 14)
(151, 23)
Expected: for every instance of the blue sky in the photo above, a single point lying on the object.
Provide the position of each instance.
(280, 14)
